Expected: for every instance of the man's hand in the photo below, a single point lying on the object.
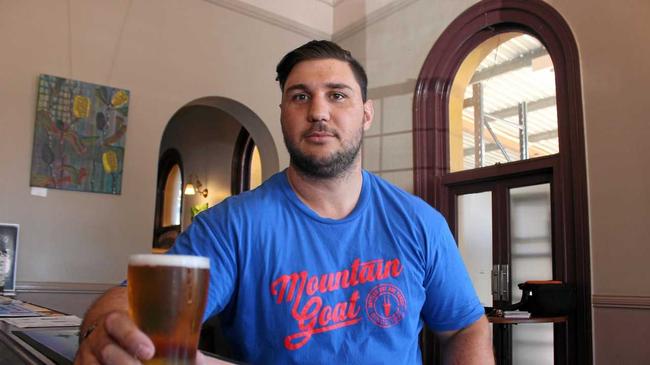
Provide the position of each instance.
(115, 340)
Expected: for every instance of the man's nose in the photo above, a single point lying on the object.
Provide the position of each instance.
(319, 110)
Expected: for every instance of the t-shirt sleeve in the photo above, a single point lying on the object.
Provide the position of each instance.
(451, 301)
(203, 238)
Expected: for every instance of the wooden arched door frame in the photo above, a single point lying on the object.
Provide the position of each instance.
(241, 163)
(431, 134)
(167, 161)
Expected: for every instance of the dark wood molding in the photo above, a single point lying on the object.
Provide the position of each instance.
(167, 160)
(430, 133)
(622, 302)
(512, 169)
(62, 287)
(241, 163)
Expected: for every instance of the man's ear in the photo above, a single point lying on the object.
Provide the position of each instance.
(368, 114)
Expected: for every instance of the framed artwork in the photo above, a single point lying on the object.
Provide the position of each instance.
(8, 257)
(79, 136)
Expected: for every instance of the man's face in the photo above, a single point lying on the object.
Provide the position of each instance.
(323, 117)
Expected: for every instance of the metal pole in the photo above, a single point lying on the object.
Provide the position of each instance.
(523, 130)
(479, 122)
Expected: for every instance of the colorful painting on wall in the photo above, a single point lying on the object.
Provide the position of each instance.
(79, 136)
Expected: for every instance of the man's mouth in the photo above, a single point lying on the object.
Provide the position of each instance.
(319, 135)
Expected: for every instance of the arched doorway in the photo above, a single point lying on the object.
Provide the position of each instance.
(217, 139)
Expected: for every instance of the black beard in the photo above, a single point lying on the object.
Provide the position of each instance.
(329, 167)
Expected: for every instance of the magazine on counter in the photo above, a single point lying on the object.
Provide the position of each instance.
(58, 345)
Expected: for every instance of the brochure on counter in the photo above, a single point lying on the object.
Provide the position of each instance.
(17, 308)
(51, 321)
(58, 345)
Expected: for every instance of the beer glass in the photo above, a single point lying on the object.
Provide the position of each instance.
(167, 296)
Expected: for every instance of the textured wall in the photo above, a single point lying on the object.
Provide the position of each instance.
(167, 53)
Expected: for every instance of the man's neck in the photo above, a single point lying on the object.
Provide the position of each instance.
(330, 198)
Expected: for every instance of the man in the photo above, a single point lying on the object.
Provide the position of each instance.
(324, 262)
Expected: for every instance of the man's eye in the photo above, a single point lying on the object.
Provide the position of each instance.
(338, 96)
(299, 97)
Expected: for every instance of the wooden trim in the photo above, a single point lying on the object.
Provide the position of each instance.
(167, 160)
(328, 2)
(240, 170)
(377, 15)
(430, 133)
(503, 320)
(271, 18)
(621, 301)
(510, 170)
(62, 287)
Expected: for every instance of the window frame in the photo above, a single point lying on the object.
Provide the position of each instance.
(241, 162)
(431, 136)
(170, 158)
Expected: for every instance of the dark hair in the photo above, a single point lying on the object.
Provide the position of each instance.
(317, 50)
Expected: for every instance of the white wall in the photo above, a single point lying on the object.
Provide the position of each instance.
(614, 44)
(315, 14)
(167, 53)
(393, 50)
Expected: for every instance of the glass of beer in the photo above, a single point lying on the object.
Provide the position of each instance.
(167, 296)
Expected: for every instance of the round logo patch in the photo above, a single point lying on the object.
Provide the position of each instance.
(385, 305)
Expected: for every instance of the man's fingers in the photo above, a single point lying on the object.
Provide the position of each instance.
(85, 357)
(113, 354)
(127, 335)
(200, 358)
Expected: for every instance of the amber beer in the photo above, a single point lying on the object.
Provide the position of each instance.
(167, 295)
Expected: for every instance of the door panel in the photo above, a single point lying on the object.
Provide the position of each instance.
(507, 223)
(531, 259)
(475, 240)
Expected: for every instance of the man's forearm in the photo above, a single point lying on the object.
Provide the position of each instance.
(114, 299)
(471, 345)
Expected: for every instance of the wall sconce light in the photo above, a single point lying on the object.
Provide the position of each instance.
(196, 188)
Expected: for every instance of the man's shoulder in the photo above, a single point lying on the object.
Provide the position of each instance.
(268, 193)
(388, 191)
(404, 207)
(269, 187)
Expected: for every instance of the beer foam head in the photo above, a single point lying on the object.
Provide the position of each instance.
(194, 262)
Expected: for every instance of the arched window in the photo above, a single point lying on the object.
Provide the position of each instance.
(499, 150)
(169, 197)
(502, 105)
(172, 197)
(246, 164)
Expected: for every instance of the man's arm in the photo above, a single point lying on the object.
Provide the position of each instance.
(470, 345)
(114, 338)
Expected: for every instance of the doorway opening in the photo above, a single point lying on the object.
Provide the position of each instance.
(210, 150)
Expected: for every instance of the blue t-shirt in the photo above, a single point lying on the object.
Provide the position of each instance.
(296, 288)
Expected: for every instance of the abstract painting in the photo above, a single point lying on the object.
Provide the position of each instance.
(79, 136)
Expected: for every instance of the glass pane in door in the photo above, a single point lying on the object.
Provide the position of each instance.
(475, 240)
(531, 259)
